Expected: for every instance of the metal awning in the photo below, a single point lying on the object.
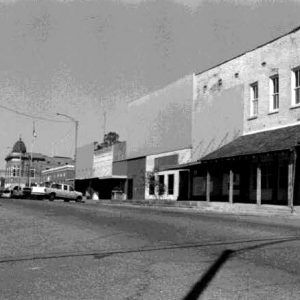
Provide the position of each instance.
(270, 141)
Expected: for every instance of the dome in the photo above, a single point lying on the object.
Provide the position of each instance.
(19, 147)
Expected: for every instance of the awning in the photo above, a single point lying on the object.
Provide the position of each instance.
(275, 140)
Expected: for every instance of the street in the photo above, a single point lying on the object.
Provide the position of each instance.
(57, 250)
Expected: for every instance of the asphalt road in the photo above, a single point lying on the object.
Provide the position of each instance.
(56, 250)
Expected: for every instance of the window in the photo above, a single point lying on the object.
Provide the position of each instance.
(151, 184)
(254, 99)
(274, 93)
(296, 87)
(71, 189)
(65, 187)
(161, 186)
(32, 172)
(171, 184)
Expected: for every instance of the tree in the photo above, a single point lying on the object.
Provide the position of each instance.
(111, 138)
(156, 188)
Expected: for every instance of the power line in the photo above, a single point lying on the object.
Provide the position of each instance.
(31, 116)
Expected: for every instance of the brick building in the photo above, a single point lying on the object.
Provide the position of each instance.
(23, 167)
(245, 134)
(61, 174)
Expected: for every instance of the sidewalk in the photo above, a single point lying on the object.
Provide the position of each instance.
(212, 207)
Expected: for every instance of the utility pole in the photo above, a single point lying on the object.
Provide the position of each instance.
(76, 123)
(31, 152)
(104, 122)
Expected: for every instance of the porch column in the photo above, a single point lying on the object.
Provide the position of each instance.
(231, 186)
(207, 187)
(258, 185)
(291, 179)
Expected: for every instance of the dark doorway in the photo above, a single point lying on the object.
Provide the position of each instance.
(183, 186)
(130, 188)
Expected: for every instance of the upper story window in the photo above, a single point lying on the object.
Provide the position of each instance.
(274, 93)
(254, 99)
(32, 173)
(296, 86)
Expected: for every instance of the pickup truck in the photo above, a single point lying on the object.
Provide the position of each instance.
(39, 191)
(63, 191)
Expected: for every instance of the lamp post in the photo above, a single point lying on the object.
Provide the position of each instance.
(76, 137)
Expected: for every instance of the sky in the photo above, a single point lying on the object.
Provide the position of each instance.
(88, 59)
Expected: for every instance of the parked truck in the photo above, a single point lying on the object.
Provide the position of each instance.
(56, 191)
(63, 191)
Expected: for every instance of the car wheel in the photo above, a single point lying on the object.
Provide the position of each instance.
(78, 199)
(51, 197)
(66, 200)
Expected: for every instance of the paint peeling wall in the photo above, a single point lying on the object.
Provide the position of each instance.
(102, 164)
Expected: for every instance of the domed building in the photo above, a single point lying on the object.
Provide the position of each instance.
(23, 169)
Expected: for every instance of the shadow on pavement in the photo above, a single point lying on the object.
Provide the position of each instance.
(101, 254)
(205, 279)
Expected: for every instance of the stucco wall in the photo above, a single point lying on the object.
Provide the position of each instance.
(217, 108)
(84, 161)
(184, 156)
(119, 151)
(136, 172)
(119, 168)
(161, 121)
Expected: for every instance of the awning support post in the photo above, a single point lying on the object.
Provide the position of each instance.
(231, 186)
(258, 185)
(291, 179)
(207, 186)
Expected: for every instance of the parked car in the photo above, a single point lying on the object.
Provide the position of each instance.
(6, 193)
(63, 191)
(26, 190)
(16, 191)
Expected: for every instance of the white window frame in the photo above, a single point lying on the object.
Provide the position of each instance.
(254, 96)
(295, 84)
(274, 93)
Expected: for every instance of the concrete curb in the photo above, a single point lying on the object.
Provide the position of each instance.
(211, 207)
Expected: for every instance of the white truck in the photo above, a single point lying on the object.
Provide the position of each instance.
(63, 191)
(39, 191)
(56, 191)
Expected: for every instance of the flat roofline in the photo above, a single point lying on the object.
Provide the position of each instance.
(59, 168)
(248, 51)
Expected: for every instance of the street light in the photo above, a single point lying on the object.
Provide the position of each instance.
(76, 137)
